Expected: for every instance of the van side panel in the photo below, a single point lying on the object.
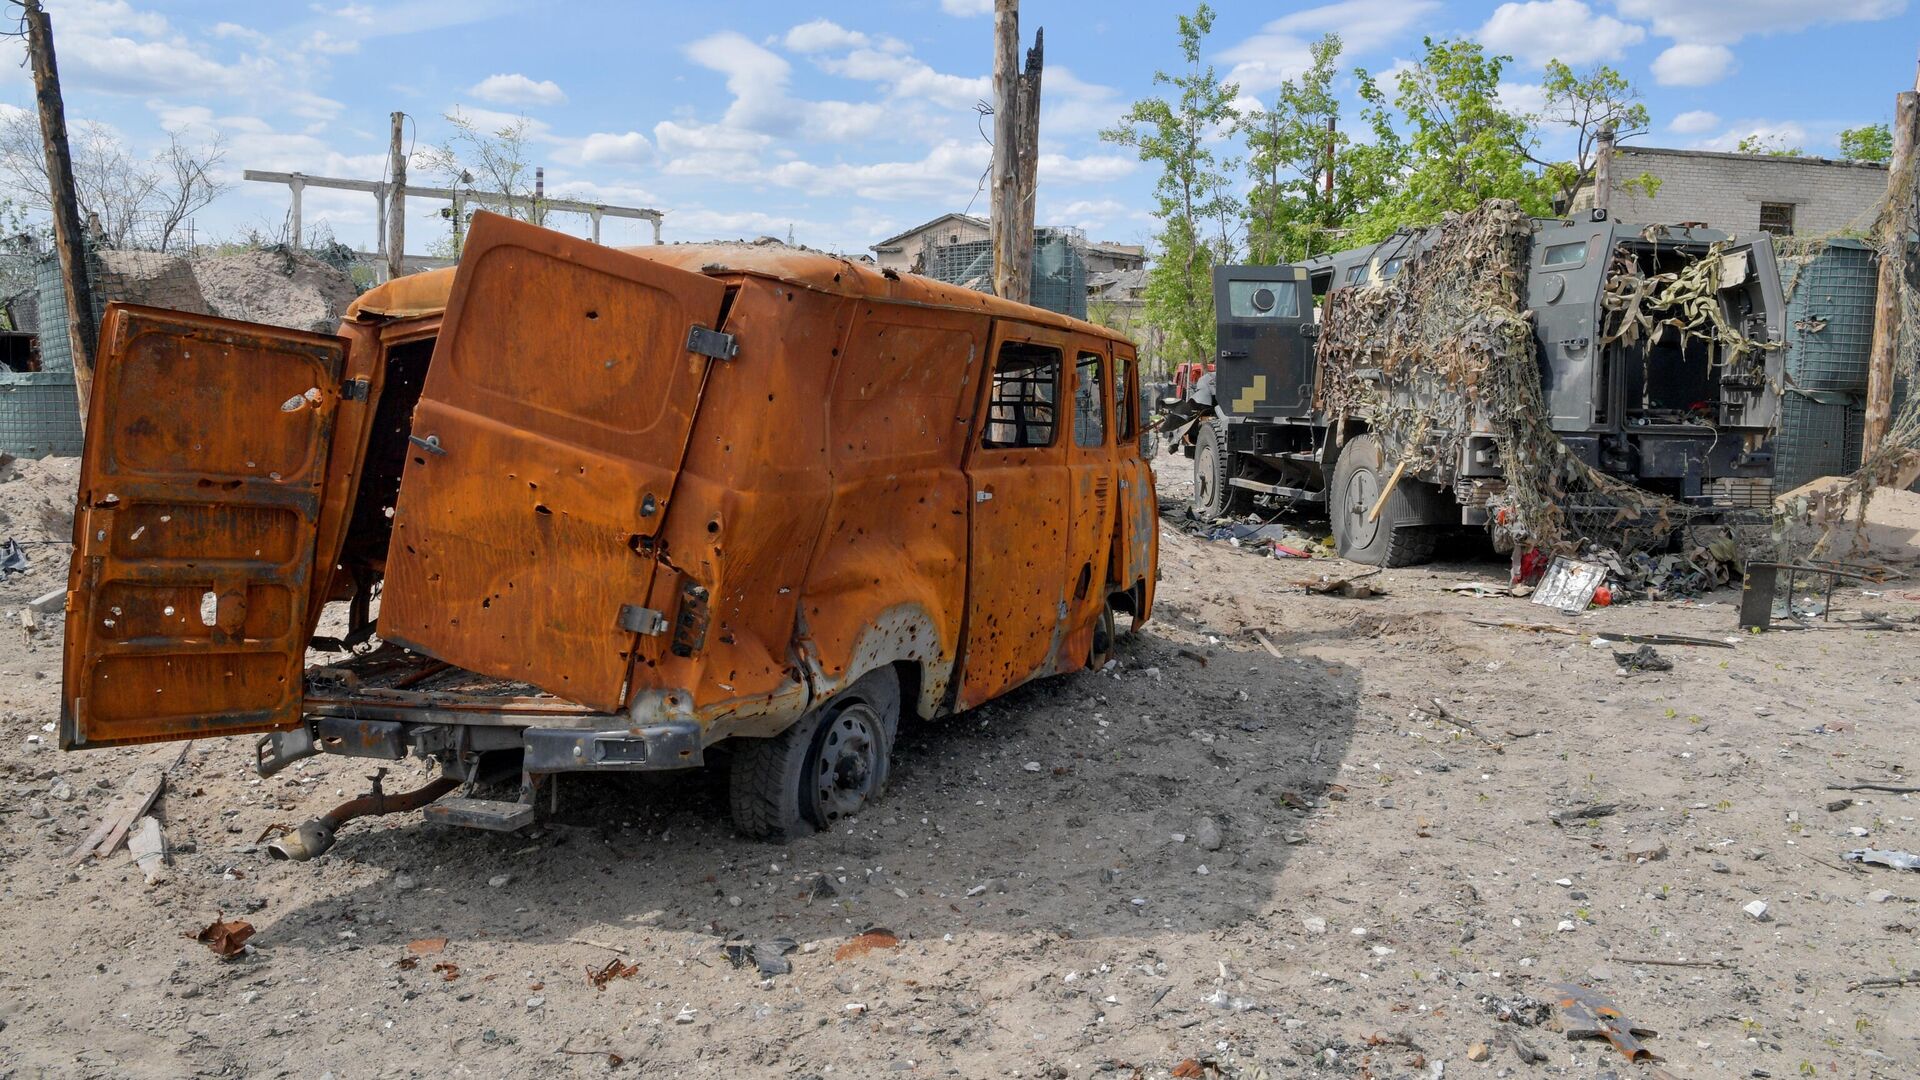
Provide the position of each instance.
(751, 498)
(888, 579)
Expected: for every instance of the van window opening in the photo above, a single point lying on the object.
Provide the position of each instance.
(1263, 299)
(1126, 397)
(1026, 383)
(1089, 402)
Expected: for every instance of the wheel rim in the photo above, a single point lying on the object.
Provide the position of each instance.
(848, 769)
(1203, 475)
(1363, 490)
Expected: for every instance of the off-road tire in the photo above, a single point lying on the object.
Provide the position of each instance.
(771, 784)
(1397, 537)
(1213, 496)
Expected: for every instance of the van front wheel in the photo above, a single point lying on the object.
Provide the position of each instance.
(831, 764)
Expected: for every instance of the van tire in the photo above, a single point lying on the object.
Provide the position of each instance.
(1106, 634)
(830, 764)
(1397, 537)
(1214, 496)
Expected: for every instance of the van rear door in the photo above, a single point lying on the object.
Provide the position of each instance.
(549, 434)
(200, 487)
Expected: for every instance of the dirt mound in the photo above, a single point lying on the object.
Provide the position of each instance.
(276, 287)
(36, 508)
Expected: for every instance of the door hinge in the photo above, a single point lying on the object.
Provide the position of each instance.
(635, 619)
(356, 390)
(714, 343)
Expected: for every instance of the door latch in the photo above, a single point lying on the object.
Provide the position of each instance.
(982, 496)
(714, 343)
(635, 619)
(431, 444)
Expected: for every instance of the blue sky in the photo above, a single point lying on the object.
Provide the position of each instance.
(847, 122)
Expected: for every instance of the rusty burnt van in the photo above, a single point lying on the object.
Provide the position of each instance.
(596, 510)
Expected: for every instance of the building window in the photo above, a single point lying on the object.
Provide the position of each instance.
(1777, 218)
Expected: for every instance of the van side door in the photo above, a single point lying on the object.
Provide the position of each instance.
(1137, 506)
(1017, 528)
(201, 486)
(1092, 490)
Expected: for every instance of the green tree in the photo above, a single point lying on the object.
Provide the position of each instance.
(1768, 145)
(1870, 142)
(1193, 192)
(1292, 148)
(1590, 104)
(1460, 146)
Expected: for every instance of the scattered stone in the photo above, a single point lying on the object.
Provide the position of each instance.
(1031, 766)
(38, 810)
(1207, 835)
(499, 881)
(1757, 909)
(536, 1002)
(1315, 924)
(404, 882)
(1647, 849)
(1478, 1052)
(1879, 896)
(1838, 805)
(61, 790)
(1719, 867)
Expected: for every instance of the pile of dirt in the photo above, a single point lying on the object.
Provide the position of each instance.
(36, 508)
(276, 286)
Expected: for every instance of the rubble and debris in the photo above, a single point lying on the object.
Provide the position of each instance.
(866, 942)
(427, 946)
(1569, 584)
(1584, 812)
(1586, 1013)
(1643, 658)
(1898, 860)
(614, 969)
(138, 795)
(13, 558)
(148, 847)
(227, 939)
(1354, 587)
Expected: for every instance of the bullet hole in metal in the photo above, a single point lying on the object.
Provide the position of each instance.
(541, 508)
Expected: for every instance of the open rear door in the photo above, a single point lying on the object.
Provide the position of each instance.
(201, 484)
(546, 443)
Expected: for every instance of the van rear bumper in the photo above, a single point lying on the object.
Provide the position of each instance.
(653, 747)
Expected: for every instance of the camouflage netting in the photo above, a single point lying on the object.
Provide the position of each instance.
(1451, 340)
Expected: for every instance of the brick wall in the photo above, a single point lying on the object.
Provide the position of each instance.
(1725, 190)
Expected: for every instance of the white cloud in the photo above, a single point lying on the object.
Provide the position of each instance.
(714, 150)
(1526, 98)
(1071, 105)
(1724, 22)
(1693, 65)
(1092, 169)
(518, 89)
(758, 77)
(904, 76)
(1693, 122)
(966, 8)
(604, 147)
(1565, 30)
(1279, 51)
(823, 35)
(950, 170)
(1781, 134)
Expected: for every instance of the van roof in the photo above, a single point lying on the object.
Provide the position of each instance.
(426, 293)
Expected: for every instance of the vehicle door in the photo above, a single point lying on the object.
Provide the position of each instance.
(1017, 543)
(549, 433)
(1136, 507)
(1265, 348)
(1091, 485)
(201, 484)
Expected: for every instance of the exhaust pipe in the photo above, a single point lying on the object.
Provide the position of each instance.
(317, 836)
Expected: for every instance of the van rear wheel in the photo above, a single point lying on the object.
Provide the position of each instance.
(831, 764)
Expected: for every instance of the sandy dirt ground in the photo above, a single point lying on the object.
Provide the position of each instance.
(1209, 861)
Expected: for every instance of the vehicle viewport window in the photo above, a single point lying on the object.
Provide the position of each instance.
(1263, 299)
(1125, 401)
(1565, 255)
(1391, 267)
(1026, 382)
(1357, 275)
(1089, 404)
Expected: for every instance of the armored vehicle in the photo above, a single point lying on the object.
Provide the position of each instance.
(1665, 412)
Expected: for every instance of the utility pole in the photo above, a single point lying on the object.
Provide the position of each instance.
(397, 207)
(1895, 253)
(1016, 154)
(82, 334)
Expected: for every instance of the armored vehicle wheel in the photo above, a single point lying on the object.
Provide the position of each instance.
(1395, 537)
(829, 765)
(1213, 496)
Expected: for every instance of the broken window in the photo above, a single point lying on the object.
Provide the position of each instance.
(1263, 300)
(1565, 254)
(1125, 399)
(1089, 406)
(1020, 412)
(1777, 218)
